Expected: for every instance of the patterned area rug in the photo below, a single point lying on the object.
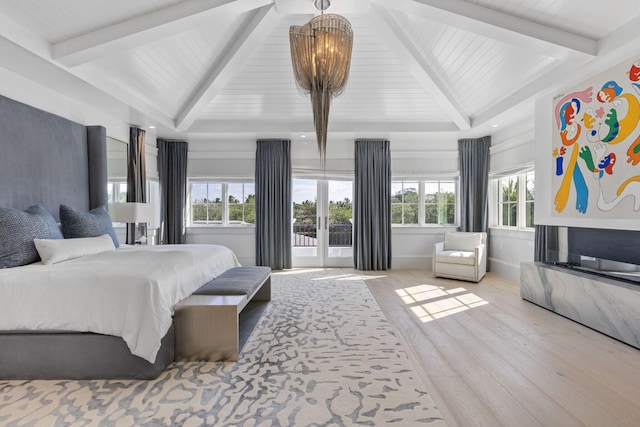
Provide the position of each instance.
(323, 354)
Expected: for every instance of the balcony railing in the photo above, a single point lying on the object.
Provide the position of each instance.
(339, 235)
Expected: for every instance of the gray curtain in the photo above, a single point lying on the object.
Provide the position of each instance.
(273, 203)
(136, 175)
(546, 239)
(474, 183)
(372, 205)
(172, 171)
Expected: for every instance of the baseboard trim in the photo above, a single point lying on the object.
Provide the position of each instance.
(505, 269)
(411, 263)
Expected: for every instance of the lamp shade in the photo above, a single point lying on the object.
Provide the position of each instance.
(132, 212)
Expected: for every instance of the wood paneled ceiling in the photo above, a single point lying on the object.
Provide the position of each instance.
(206, 67)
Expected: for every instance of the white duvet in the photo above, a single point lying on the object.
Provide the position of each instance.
(129, 292)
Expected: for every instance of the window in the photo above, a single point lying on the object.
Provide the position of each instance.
(440, 202)
(242, 204)
(117, 191)
(516, 200)
(529, 198)
(206, 203)
(508, 205)
(423, 202)
(153, 191)
(222, 203)
(404, 202)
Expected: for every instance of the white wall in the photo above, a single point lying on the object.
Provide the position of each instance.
(412, 247)
(512, 151)
(507, 249)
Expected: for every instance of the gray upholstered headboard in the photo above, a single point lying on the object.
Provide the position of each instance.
(48, 159)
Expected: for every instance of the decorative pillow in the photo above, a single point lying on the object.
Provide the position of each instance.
(17, 231)
(54, 251)
(462, 241)
(77, 223)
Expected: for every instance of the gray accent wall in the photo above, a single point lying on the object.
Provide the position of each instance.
(614, 245)
(44, 159)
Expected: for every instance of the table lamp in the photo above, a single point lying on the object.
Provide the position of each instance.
(136, 215)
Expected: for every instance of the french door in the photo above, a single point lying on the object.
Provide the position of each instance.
(322, 223)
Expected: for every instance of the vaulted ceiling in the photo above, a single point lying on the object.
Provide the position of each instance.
(208, 67)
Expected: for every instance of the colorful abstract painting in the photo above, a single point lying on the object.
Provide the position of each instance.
(596, 147)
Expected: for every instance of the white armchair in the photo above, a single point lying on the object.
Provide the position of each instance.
(462, 255)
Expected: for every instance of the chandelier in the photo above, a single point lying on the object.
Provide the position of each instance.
(321, 55)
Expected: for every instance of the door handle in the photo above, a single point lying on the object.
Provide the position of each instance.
(326, 223)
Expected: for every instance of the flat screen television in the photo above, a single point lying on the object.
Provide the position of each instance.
(612, 269)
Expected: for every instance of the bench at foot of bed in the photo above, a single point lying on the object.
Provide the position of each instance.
(214, 323)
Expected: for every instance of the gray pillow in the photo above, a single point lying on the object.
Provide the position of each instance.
(77, 223)
(17, 231)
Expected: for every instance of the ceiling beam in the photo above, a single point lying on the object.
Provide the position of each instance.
(24, 38)
(618, 46)
(31, 58)
(407, 52)
(500, 26)
(48, 78)
(144, 106)
(146, 28)
(250, 35)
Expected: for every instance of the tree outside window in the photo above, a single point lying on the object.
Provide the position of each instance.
(242, 205)
(440, 202)
(206, 202)
(516, 195)
(529, 199)
(423, 202)
(340, 212)
(222, 203)
(509, 201)
(404, 203)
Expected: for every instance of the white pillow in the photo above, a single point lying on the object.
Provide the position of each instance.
(461, 241)
(52, 251)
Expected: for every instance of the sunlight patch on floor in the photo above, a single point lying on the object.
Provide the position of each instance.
(430, 302)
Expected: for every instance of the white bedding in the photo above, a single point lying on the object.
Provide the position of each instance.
(129, 292)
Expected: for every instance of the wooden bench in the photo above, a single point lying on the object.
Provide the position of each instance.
(214, 322)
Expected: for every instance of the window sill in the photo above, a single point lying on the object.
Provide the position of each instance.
(513, 232)
(424, 226)
(221, 226)
(422, 230)
(219, 229)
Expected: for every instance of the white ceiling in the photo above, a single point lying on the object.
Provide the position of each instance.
(201, 68)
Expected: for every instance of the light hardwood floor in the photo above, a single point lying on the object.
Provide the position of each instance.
(490, 358)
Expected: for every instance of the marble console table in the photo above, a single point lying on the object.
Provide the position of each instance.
(606, 305)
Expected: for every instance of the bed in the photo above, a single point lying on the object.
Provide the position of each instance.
(97, 313)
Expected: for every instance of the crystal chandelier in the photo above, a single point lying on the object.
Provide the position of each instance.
(321, 55)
